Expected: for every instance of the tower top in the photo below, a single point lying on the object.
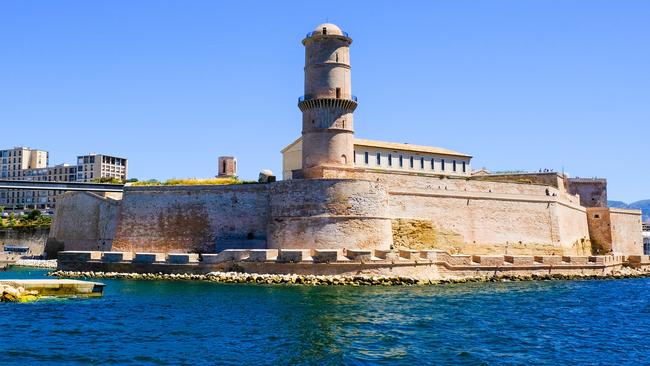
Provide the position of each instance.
(325, 30)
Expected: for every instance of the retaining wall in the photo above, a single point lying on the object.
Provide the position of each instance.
(430, 265)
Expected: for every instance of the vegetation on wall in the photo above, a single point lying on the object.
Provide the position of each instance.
(192, 182)
(31, 220)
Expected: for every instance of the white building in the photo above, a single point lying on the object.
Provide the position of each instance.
(390, 156)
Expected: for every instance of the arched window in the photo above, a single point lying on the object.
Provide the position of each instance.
(344, 159)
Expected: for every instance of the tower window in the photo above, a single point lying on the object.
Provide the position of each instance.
(338, 93)
(464, 167)
(454, 165)
(411, 161)
(354, 156)
(366, 157)
(324, 30)
(337, 57)
(378, 158)
(432, 164)
(390, 159)
(421, 163)
(442, 165)
(401, 161)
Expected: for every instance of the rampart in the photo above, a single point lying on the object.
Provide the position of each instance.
(83, 221)
(375, 210)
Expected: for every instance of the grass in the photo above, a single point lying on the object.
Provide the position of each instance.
(192, 182)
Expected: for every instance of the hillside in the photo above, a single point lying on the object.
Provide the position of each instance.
(643, 205)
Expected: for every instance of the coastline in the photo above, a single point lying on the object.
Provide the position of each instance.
(344, 280)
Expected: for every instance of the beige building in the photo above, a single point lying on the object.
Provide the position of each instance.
(97, 166)
(390, 156)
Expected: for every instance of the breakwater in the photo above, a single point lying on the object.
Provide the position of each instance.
(336, 280)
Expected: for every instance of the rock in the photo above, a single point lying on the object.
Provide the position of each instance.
(266, 176)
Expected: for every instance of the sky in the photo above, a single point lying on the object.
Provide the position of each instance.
(172, 85)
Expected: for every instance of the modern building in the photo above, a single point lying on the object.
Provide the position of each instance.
(23, 163)
(97, 166)
(14, 161)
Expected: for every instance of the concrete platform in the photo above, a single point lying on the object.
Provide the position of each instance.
(60, 288)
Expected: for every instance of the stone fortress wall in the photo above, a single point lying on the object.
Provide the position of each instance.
(375, 210)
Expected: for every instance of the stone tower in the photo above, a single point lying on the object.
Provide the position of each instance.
(227, 167)
(328, 103)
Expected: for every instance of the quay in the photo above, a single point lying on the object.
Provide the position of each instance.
(58, 288)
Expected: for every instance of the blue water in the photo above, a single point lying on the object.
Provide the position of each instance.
(190, 323)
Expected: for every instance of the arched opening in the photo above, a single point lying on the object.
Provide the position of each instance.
(344, 159)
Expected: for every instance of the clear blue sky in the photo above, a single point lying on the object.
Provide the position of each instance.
(171, 85)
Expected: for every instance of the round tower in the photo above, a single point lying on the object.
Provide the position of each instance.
(328, 103)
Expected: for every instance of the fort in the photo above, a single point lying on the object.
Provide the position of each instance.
(348, 205)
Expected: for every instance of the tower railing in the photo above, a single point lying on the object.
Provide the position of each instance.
(309, 34)
(302, 98)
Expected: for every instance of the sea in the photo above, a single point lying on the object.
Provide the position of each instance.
(585, 322)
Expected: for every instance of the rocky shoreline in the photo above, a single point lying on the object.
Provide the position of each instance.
(339, 280)
(36, 263)
(16, 294)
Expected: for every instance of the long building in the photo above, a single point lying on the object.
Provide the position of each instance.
(24, 163)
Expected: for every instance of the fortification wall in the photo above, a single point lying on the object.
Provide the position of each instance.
(463, 215)
(199, 219)
(627, 236)
(592, 192)
(34, 239)
(600, 230)
(82, 221)
(329, 214)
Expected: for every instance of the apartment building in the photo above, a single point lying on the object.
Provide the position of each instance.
(22, 163)
(95, 166)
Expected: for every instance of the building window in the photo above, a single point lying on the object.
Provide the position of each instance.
(464, 167)
(454, 165)
(378, 158)
(421, 163)
(354, 156)
(366, 157)
(338, 93)
(432, 164)
(442, 165)
(401, 161)
(390, 159)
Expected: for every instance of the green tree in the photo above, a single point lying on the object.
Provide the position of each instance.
(33, 215)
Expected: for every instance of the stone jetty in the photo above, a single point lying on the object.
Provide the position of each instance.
(28, 290)
(338, 280)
